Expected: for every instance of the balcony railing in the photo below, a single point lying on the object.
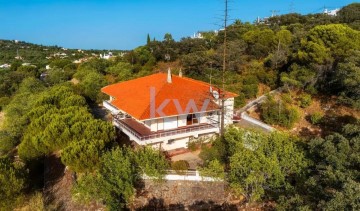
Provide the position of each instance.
(164, 133)
(110, 106)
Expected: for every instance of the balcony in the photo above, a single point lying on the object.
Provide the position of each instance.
(139, 132)
(110, 107)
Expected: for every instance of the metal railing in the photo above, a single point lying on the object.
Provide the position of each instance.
(164, 133)
(110, 106)
(188, 172)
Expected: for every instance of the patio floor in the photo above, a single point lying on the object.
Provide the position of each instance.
(191, 157)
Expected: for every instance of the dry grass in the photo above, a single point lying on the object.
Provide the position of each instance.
(2, 118)
(35, 202)
(163, 66)
(74, 81)
(335, 116)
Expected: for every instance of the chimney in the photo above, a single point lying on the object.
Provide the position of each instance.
(169, 76)
(180, 73)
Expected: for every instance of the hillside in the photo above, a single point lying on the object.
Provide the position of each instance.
(51, 120)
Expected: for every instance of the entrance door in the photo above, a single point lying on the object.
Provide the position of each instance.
(189, 119)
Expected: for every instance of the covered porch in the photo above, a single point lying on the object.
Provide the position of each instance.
(139, 132)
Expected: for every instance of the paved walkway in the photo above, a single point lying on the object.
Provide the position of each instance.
(191, 157)
(257, 101)
(250, 122)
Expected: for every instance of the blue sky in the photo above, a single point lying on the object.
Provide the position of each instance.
(124, 24)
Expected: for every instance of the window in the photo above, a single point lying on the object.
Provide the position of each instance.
(192, 119)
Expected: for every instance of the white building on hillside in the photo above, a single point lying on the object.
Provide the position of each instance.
(167, 111)
(331, 12)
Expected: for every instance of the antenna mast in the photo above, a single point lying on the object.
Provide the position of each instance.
(292, 7)
(222, 123)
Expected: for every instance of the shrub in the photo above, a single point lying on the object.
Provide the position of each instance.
(250, 90)
(305, 100)
(287, 98)
(280, 113)
(3, 102)
(293, 116)
(214, 169)
(180, 166)
(12, 183)
(240, 100)
(316, 117)
(192, 145)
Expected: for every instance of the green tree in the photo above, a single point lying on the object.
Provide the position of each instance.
(168, 37)
(56, 76)
(83, 155)
(214, 169)
(148, 40)
(57, 118)
(119, 170)
(348, 77)
(114, 183)
(333, 175)
(283, 41)
(91, 85)
(299, 77)
(60, 63)
(263, 165)
(12, 183)
(260, 42)
(151, 162)
(279, 112)
(328, 43)
(350, 13)
(16, 118)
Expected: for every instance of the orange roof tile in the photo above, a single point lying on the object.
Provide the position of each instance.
(133, 96)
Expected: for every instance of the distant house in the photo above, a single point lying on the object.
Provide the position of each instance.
(331, 12)
(80, 60)
(106, 56)
(198, 35)
(167, 111)
(5, 66)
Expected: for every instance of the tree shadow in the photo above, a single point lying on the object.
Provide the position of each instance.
(306, 132)
(333, 123)
(99, 112)
(53, 172)
(53, 169)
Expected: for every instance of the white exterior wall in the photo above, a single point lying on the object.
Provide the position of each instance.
(203, 118)
(160, 124)
(182, 121)
(147, 123)
(153, 125)
(229, 110)
(176, 144)
(170, 123)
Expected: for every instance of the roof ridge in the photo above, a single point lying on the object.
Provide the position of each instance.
(204, 83)
(156, 93)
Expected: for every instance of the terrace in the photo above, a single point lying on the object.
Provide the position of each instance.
(139, 132)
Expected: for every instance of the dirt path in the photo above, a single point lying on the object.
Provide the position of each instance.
(57, 191)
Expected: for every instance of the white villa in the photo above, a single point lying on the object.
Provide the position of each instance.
(167, 111)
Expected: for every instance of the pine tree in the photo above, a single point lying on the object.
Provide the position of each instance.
(148, 39)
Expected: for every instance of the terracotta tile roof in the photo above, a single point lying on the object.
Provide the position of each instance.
(133, 96)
